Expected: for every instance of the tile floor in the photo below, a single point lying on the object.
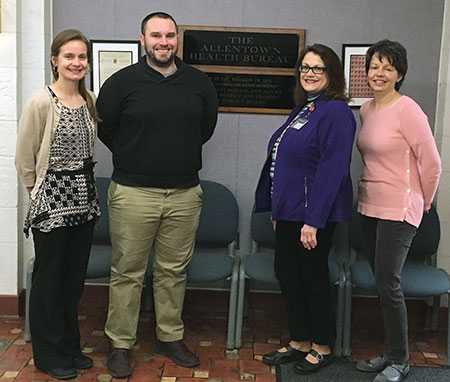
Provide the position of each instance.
(205, 318)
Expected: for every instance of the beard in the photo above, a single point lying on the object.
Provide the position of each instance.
(162, 63)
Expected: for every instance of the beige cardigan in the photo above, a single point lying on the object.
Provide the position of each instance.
(37, 127)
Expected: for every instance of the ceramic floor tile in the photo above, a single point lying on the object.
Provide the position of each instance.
(263, 348)
(202, 374)
(253, 367)
(206, 321)
(141, 375)
(10, 374)
(225, 364)
(177, 371)
(246, 353)
(266, 378)
(168, 379)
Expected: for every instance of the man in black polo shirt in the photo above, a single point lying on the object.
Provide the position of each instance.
(156, 115)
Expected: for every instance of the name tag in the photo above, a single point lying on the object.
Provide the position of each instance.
(299, 123)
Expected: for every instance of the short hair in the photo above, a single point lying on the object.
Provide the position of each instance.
(392, 51)
(161, 15)
(334, 72)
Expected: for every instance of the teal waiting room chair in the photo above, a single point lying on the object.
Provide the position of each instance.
(259, 266)
(420, 277)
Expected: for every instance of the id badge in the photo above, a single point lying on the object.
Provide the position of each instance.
(299, 123)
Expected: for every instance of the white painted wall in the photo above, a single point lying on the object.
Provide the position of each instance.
(33, 73)
(442, 124)
(8, 123)
(24, 42)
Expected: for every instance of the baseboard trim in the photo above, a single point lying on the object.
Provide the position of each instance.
(11, 305)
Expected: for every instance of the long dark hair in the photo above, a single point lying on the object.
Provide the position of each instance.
(334, 72)
(63, 38)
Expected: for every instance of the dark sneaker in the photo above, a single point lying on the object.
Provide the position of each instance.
(118, 363)
(178, 352)
(82, 362)
(61, 373)
(393, 373)
(374, 365)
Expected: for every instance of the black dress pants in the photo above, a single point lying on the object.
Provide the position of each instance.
(303, 277)
(61, 259)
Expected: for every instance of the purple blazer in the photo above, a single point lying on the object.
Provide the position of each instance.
(312, 182)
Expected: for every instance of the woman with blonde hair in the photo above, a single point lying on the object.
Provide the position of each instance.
(54, 160)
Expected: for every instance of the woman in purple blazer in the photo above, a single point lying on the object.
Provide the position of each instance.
(306, 184)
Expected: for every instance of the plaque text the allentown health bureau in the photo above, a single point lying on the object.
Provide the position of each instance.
(252, 69)
(266, 50)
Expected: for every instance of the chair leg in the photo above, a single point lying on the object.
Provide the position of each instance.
(347, 347)
(448, 328)
(232, 308)
(435, 313)
(29, 273)
(339, 317)
(240, 306)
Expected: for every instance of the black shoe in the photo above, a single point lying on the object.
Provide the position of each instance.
(374, 365)
(393, 373)
(82, 362)
(61, 372)
(178, 352)
(305, 367)
(277, 357)
(118, 363)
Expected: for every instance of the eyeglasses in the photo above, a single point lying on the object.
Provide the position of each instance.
(315, 69)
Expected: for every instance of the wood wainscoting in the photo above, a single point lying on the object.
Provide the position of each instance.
(11, 305)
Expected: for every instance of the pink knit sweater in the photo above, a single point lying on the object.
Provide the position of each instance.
(401, 162)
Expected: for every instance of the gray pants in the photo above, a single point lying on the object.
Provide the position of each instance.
(386, 245)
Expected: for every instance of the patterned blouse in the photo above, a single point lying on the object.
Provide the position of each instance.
(67, 196)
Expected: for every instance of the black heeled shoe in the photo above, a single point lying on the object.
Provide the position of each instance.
(277, 357)
(305, 367)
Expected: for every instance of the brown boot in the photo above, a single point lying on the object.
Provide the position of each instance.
(118, 363)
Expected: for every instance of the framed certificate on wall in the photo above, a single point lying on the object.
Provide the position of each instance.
(109, 57)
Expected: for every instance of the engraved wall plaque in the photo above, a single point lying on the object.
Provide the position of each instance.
(251, 68)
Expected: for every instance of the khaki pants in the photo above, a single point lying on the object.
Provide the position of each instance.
(142, 219)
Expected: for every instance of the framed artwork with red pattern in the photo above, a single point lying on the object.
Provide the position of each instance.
(354, 61)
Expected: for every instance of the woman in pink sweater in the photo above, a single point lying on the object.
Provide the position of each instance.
(399, 180)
